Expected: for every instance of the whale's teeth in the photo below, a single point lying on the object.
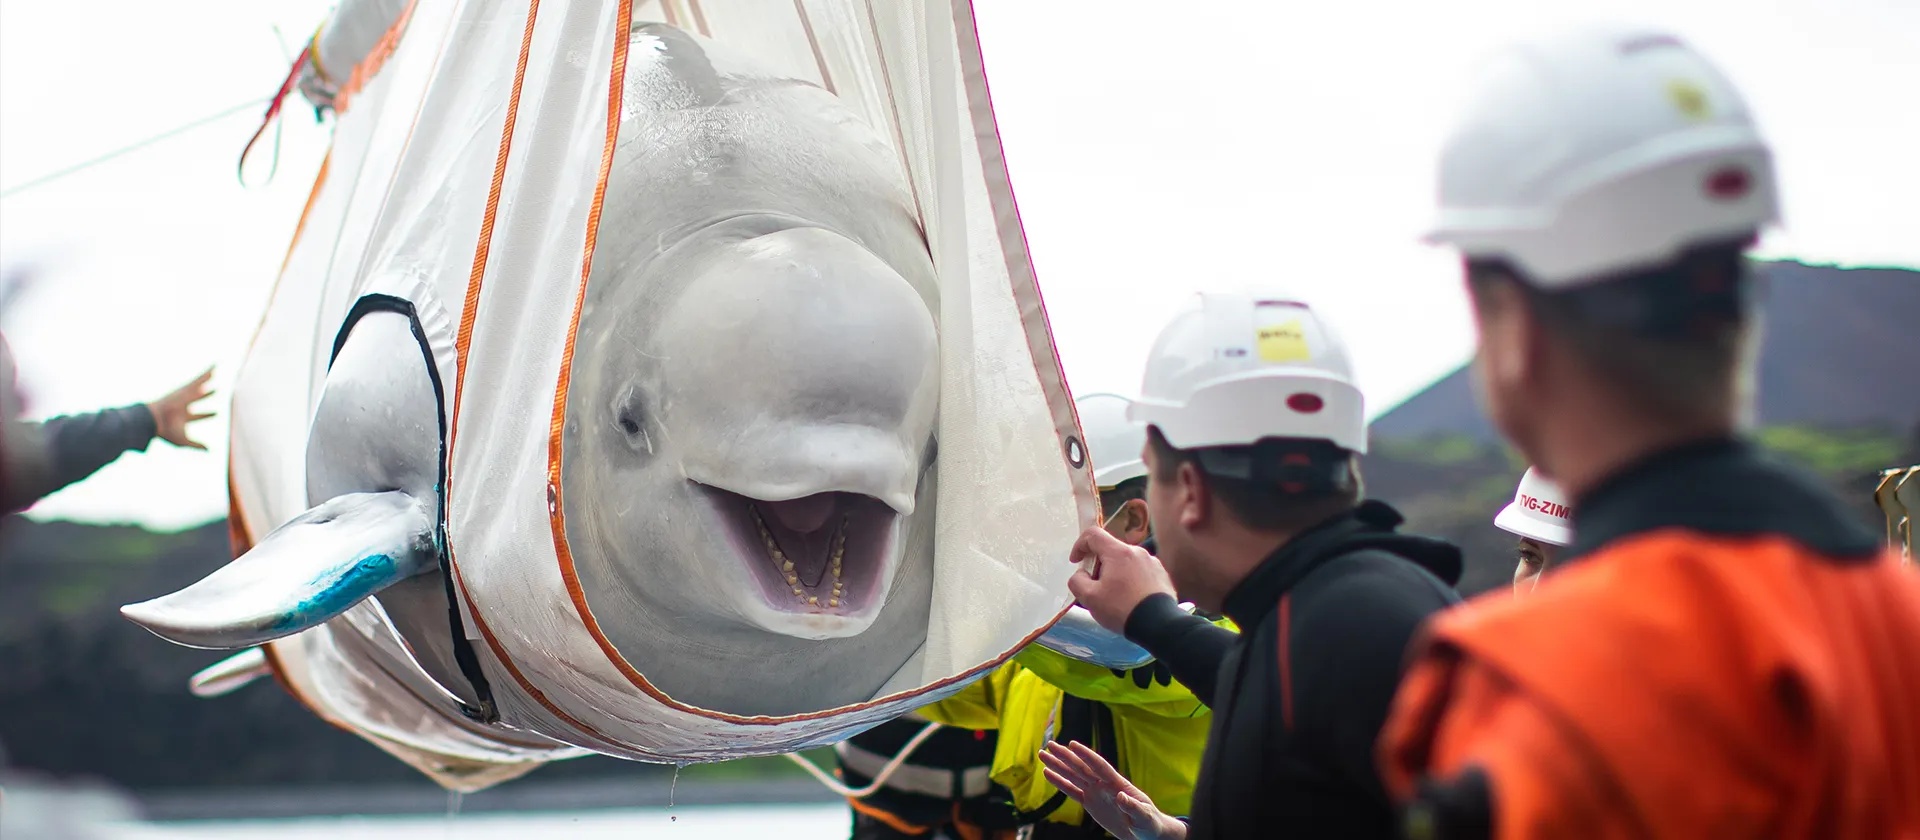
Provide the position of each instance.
(839, 550)
(773, 548)
(835, 563)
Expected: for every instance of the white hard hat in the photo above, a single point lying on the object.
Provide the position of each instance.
(1113, 441)
(9, 383)
(1241, 367)
(1601, 150)
(1538, 511)
(9, 410)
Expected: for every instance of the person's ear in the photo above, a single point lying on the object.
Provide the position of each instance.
(1192, 503)
(1535, 369)
(1508, 362)
(1506, 336)
(1135, 525)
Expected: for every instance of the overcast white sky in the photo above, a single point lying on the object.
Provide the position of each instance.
(1153, 154)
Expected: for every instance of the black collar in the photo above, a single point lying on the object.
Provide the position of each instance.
(1720, 486)
(1259, 594)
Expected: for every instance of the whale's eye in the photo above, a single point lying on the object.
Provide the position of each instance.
(630, 417)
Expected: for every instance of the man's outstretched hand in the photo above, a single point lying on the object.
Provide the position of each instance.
(1107, 796)
(1121, 577)
(173, 412)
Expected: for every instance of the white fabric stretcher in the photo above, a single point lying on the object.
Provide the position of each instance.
(465, 177)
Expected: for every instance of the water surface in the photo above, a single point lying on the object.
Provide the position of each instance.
(730, 822)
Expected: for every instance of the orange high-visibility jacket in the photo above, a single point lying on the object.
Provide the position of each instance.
(1728, 655)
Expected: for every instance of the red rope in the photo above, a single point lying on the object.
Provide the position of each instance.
(273, 110)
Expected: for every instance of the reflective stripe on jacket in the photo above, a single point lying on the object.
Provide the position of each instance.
(1160, 729)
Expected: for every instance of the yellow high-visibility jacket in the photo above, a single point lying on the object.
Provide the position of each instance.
(1161, 730)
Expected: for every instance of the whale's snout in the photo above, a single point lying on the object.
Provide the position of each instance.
(797, 363)
(804, 325)
(800, 389)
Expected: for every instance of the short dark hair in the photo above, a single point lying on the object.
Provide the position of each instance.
(1264, 505)
(1119, 494)
(1668, 337)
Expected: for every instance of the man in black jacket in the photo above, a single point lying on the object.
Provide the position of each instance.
(39, 458)
(1254, 431)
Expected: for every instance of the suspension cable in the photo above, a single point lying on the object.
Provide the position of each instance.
(879, 779)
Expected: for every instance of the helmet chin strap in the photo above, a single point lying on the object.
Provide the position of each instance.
(1111, 526)
(1298, 466)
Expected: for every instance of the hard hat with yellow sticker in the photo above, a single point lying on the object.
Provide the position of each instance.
(1237, 368)
(1598, 150)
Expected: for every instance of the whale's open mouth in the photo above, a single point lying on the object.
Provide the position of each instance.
(824, 554)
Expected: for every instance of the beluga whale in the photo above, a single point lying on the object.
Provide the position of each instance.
(748, 429)
(754, 392)
(604, 398)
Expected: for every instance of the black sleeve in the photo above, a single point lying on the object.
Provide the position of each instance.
(72, 448)
(1347, 642)
(1191, 646)
(1460, 808)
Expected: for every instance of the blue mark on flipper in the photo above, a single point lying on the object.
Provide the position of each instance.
(348, 588)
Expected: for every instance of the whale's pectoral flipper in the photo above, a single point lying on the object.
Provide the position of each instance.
(307, 571)
(230, 674)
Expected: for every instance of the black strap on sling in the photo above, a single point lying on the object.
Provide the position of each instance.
(463, 653)
(1089, 723)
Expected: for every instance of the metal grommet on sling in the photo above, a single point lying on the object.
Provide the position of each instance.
(1076, 453)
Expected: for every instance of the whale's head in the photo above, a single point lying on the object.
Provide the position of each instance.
(752, 437)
